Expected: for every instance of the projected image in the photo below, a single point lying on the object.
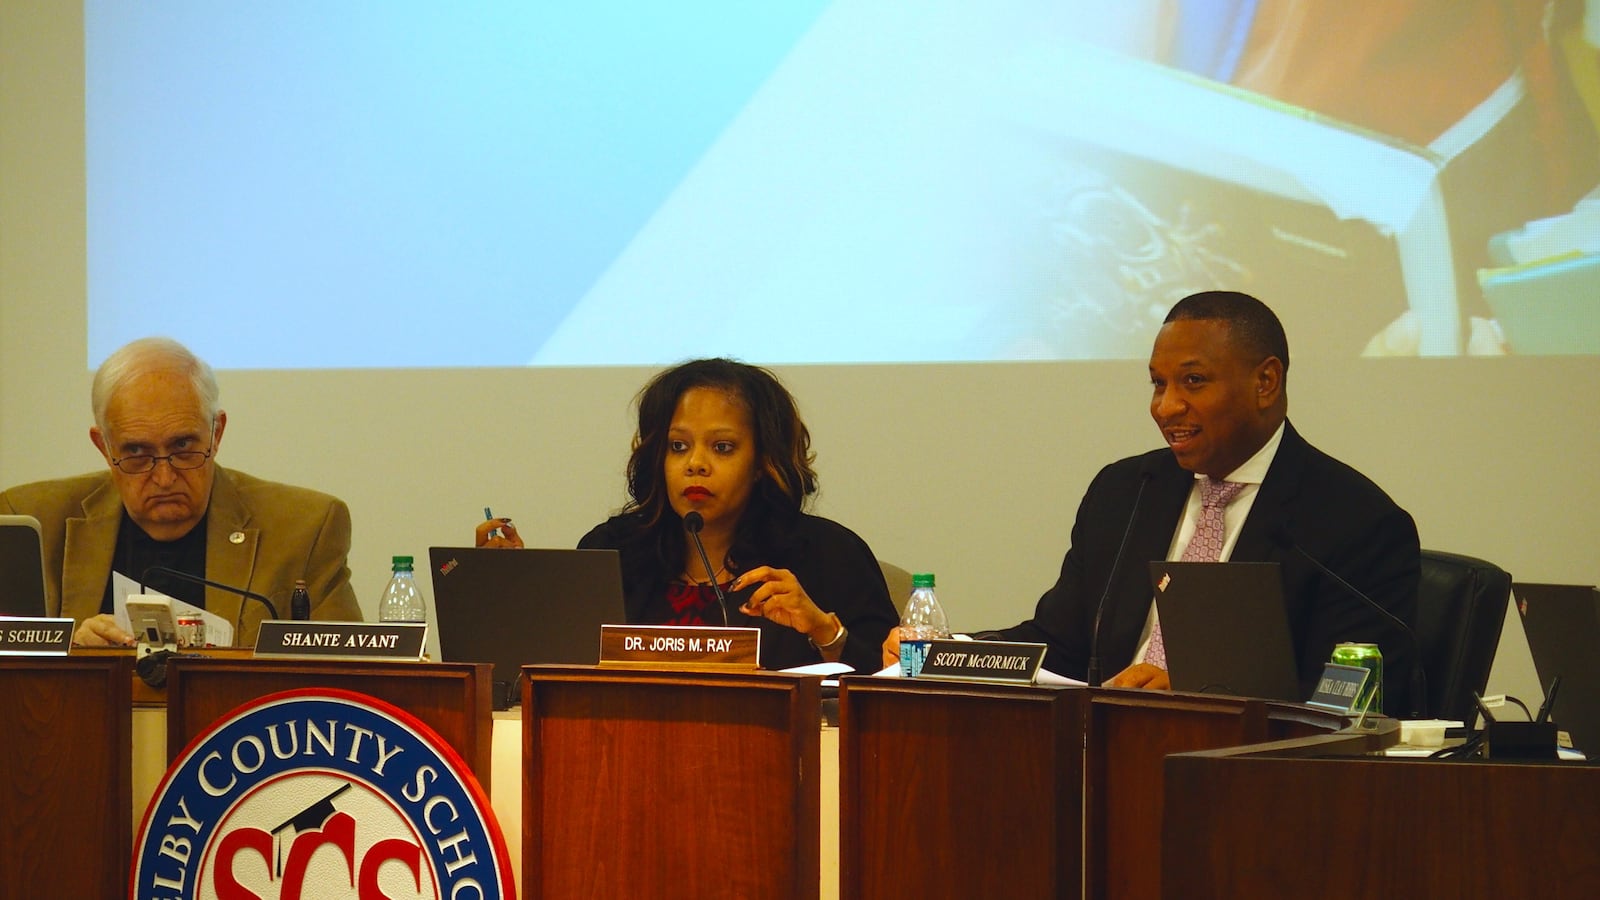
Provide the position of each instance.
(314, 185)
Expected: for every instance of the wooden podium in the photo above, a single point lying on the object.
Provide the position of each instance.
(1299, 819)
(950, 789)
(953, 789)
(453, 699)
(1129, 733)
(643, 783)
(65, 784)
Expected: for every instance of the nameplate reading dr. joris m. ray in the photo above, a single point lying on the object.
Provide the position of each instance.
(679, 647)
(1002, 661)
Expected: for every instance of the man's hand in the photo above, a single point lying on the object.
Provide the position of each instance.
(101, 631)
(1142, 675)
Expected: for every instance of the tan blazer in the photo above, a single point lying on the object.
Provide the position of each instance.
(260, 535)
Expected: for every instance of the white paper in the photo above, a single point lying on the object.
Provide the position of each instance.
(219, 631)
(824, 669)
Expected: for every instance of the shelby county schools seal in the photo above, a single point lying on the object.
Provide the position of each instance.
(320, 793)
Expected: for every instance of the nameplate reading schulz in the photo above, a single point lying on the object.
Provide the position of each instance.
(35, 637)
(346, 640)
(1339, 687)
(994, 661)
(679, 647)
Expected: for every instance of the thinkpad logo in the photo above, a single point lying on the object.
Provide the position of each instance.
(320, 794)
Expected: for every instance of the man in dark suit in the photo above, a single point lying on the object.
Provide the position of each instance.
(1217, 374)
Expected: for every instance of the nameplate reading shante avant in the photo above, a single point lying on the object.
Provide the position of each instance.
(341, 640)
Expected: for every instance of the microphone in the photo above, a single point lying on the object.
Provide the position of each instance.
(692, 523)
(196, 579)
(1419, 678)
(1549, 704)
(1094, 679)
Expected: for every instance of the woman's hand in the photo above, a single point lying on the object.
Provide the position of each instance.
(779, 596)
(497, 533)
(891, 647)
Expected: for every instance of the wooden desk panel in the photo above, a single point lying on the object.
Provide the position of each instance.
(669, 784)
(1243, 823)
(65, 785)
(1129, 735)
(453, 699)
(959, 790)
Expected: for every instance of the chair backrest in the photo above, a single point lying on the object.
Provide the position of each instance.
(899, 581)
(1461, 607)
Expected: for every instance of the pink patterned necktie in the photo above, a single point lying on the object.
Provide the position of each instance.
(1204, 546)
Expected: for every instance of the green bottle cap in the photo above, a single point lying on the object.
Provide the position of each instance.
(922, 580)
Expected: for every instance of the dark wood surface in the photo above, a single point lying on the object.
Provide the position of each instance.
(640, 783)
(66, 785)
(959, 790)
(1247, 823)
(454, 699)
(1129, 734)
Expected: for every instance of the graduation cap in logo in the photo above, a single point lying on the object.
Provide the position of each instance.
(314, 816)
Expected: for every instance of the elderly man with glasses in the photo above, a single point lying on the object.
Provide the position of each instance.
(164, 502)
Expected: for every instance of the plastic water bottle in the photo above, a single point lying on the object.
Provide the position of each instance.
(402, 599)
(922, 622)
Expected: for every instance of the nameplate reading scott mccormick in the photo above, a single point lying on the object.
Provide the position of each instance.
(994, 661)
(35, 637)
(343, 640)
(679, 647)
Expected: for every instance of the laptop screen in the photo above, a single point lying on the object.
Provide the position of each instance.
(1225, 628)
(21, 567)
(521, 607)
(1562, 622)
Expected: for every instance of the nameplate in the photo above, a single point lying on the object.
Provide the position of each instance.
(679, 647)
(35, 637)
(1005, 662)
(1339, 687)
(279, 638)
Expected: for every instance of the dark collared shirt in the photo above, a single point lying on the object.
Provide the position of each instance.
(137, 551)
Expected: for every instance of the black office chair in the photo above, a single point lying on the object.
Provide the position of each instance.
(1461, 607)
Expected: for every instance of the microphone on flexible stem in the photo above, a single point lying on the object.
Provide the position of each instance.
(196, 579)
(692, 523)
(1419, 678)
(1094, 679)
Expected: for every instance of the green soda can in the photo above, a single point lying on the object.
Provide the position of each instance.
(1368, 657)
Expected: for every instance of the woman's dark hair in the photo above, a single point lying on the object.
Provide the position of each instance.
(783, 456)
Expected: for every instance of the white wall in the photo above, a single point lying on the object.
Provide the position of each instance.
(972, 471)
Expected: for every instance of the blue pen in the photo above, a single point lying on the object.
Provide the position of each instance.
(494, 532)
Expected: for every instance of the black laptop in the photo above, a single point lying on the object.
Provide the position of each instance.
(21, 567)
(1225, 629)
(1562, 622)
(520, 607)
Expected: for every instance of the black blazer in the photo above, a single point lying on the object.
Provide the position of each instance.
(1337, 514)
(833, 564)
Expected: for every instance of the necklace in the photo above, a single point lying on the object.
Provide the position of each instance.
(715, 576)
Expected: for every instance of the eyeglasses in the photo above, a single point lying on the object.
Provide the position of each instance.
(183, 459)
